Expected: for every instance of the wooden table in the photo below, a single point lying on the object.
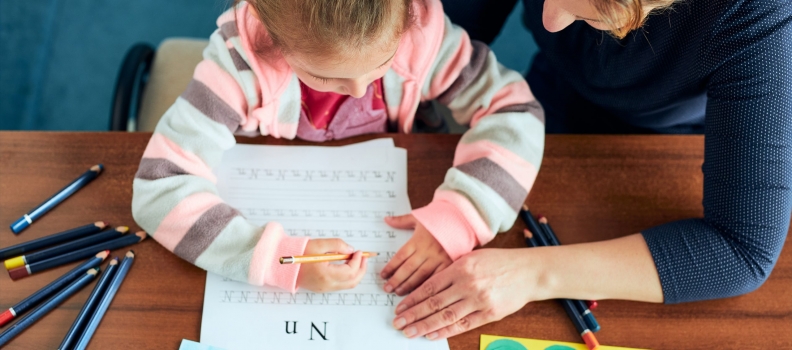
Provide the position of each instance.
(591, 187)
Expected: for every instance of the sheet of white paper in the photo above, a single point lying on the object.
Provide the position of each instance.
(318, 192)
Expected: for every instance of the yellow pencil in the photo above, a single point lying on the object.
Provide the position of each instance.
(302, 259)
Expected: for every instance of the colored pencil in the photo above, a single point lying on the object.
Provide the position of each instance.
(50, 289)
(27, 320)
(305, 259)
(588, 317)
(65, 248)
(27, 219)
(533, 226)
(53, 239)
(580, 326)
(90, 305)
(30, 269)
(104, 303)
(570, 309)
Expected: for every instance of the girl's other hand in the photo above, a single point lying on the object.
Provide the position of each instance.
(326, 276)
(420, 258)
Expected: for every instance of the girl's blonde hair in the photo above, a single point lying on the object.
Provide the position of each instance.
(325, 28)
(627, 15)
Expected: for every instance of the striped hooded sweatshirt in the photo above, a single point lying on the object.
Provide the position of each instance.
(233, 92)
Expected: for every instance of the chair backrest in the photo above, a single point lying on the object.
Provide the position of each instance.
(171, 71)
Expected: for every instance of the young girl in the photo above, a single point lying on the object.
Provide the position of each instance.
(331, 69)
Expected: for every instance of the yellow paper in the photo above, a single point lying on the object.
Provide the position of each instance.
(535, 344)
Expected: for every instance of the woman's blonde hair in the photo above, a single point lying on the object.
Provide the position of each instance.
(624, 16)
(325, 28)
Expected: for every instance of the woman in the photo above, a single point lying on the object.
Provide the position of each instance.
(719, 67)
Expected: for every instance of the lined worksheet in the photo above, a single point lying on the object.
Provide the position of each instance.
(317, 192)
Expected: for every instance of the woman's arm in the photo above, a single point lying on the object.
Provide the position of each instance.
(489, 284)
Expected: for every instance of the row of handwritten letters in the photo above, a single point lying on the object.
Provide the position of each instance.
(316, 192)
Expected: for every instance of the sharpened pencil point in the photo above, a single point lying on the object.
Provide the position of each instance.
(122, 229)
(100, 224)
(93, 271)
(113, 262)
(141, 234)
(130, 254)
(103, 254)
(542, 220)
(97, 168)
(527, 233)
(525, 207)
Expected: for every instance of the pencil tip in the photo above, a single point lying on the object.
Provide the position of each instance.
(141, 234)
(97, 168)
(93, 271)
(103, 254)
(542, 219)
(122, 229)
(525, 207)
(100, 224)
(114, 261)
(527, 233)
(130, 254)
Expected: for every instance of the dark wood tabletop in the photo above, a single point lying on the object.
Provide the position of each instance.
(590, 187)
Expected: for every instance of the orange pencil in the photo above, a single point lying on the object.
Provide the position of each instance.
(303, 259)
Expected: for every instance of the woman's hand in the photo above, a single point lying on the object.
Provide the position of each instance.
(419, 258)
(481, 287)
(327, 277)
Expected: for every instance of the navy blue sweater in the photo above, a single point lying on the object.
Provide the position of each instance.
(719, 67)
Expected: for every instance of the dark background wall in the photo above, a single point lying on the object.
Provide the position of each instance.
(59, 58)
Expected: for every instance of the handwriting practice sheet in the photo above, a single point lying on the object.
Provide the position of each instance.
(316, 192)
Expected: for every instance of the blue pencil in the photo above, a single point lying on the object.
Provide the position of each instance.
(29, 269)
(65, 236)
(27, 219)
(27, 320)
(585, 313)
(90, 304)
(64, 248)
(50, 289)
(107, 298)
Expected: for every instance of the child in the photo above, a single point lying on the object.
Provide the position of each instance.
(330, 69)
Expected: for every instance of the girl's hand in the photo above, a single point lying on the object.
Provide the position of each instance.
(327, 277)
(419, 258)
(481, 287)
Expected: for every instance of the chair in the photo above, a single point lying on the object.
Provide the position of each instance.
(149, 82)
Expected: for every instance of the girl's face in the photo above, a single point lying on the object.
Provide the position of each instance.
(348, 74)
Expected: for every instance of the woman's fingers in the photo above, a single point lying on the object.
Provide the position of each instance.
(473, 320)
(427, 308)
(404, 222)
(455, 313)
(434, 285)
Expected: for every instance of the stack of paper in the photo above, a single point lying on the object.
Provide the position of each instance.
(317, 192)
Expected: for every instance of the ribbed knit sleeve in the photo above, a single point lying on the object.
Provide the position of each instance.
(175, 197)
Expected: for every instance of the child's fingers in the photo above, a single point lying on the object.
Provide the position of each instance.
(345, 272)
(405, 252)
(405, 222)
(360, 274)
(404, 272)
(419, 276)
